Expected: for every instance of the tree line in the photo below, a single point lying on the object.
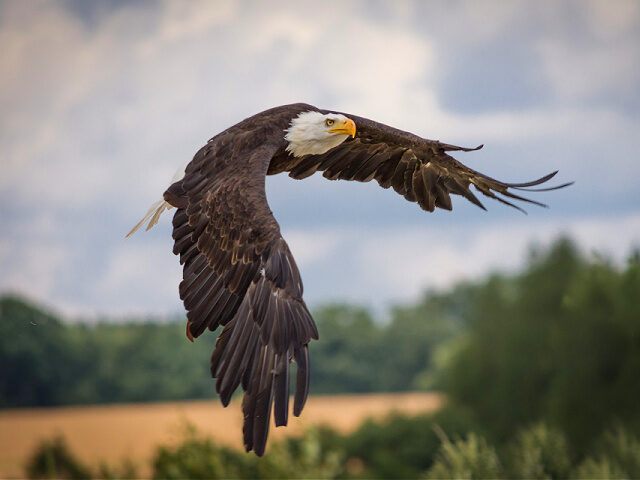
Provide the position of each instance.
(46, 361)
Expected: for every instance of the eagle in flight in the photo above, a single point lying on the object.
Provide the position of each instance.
(238, 270)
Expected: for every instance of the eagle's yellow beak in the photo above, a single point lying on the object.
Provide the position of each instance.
(347, 127)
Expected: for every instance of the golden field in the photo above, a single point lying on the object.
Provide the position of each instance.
(112, 433)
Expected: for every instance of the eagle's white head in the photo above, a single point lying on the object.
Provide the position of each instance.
(314, 133)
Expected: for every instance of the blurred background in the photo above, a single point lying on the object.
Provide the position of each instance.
(518, 335)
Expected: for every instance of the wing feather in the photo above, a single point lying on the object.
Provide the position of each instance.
(239, 273)
(417, 168)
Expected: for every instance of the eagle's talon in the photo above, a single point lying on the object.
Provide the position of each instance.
(189, 335)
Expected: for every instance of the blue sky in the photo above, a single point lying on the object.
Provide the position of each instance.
(102, 101)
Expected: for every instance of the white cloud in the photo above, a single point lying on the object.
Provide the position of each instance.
(32, 265)
(577, 71)
(398, 264)
(311, 247)
(195, 18)
(612, 18)
(138, 273)
(597, 54)
(371, 266)
(482, 249)
(110, 112)
(96, 118)
(91, 105)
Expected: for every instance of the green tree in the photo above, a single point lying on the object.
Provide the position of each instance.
(53, 459)
(348, 353)
(318, 453)
(35, 355)
(539, 452)
(470, 458)
(558, 343)
(199, 457)
(414, 334)
(616, 455)
(403, 446)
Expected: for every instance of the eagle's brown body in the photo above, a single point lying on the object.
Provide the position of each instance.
(238, 270)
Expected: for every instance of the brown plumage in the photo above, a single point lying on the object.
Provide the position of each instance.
(238, 270)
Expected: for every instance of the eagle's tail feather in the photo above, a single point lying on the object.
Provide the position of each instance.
(154, 212)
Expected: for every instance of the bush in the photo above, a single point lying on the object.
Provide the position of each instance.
(199, 457)
(471, 458)
(400, 445)
(539, 452)
(53, 459)
(126, 470)
(603, 468)
(623, 448)
(318, 453)
(617, 456)
(315, 454)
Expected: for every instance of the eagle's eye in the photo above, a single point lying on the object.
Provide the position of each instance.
(328, 122)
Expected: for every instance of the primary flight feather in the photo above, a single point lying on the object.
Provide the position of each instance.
(238, 271)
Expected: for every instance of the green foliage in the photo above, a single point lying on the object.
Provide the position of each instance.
(348, 353)
(558, 343)
(200, 457)
(403, 446)
(414, 335)
(623, 448)
(617, 455)
(599, 469)
(44, 361)
(539, 452)
(357, 354)
(398, 446)
(126, 470)
(598, 348)
(470, 458)
(53, 459)
(35, 352)
(316, 454)
(160, 363)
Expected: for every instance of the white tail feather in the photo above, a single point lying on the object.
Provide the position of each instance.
(155, 210)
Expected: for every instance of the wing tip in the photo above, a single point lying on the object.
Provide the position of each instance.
(301, 357)
(448, 147)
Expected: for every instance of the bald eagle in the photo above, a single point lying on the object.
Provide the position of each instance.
(238, 270)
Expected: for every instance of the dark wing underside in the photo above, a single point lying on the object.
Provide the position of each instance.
(239, 273)
(418, 169)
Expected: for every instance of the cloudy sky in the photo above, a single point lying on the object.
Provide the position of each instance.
(102, 101)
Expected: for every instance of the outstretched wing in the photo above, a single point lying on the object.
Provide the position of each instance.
(239, 273)
(416, 168)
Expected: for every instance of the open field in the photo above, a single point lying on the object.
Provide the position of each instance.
(114, 432)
